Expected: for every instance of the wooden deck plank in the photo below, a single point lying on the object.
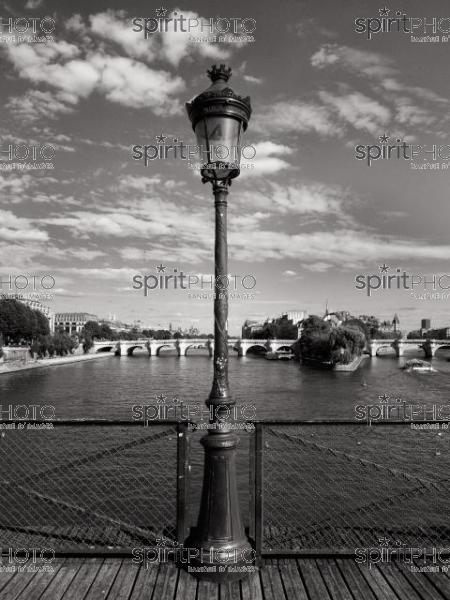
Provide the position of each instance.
(145, 582)
(285, 579)
(166, 581)
(4, 578)
(187, 586)
(336, 584)
(61, 580)
(441, 582)
(292, 581)
(40, 582)
(399, 582)
(421, 584)
(124, 581)
(271, 581)
(80, 584)
(314, 584)
(16, 585)
(251, 587)
(355, 581)
(378, 583)
(230, 591)
(207, 590)
(104, 579)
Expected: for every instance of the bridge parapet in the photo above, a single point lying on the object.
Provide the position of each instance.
(429, 346)
(181, 345)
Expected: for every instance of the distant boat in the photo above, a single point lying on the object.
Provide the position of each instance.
(280, 355)
(416, 364)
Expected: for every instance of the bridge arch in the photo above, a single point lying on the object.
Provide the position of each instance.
(261, 345)
(131, 349)
(444, 346)
(385, 346)
(197, 346)
(104, 348)
(161, 346)
(277, 347)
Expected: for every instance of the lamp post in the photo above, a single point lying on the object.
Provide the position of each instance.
(219, 117)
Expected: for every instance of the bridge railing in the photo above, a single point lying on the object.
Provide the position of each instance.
(315, 488)
(93, 486)
(329, 488)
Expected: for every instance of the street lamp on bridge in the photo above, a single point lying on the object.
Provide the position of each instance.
(219, 117)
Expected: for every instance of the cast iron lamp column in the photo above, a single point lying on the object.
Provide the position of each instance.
(218, 117)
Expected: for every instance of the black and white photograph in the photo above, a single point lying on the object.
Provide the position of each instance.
(224, 300)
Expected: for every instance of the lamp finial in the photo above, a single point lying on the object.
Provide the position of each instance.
(222, 72)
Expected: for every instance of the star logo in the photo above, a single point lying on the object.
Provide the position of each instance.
(384, 11)
(161, 12)
(384, 268)
(384, 541)
(384, 398)
(161, 268)
(384, 139)
(161, 399)
(160, 138)
(160, 542)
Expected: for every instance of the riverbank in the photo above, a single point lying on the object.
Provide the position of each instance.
(351, 366)
(51, 362)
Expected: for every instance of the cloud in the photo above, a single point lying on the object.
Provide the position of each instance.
(318, 201)
(320, 248)
(266, 160)
(16, 229)
(84, 224)
(115, 27)
(172, 45)
(35, 105)
(120, 79)
(364, 62)
(37, 63)
(384, 79)
(14, 184)
(358, 110)
(176, 45)
(134, 84)
(296, 117)
(252, 79)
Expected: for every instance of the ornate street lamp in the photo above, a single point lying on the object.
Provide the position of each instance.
(219, 117)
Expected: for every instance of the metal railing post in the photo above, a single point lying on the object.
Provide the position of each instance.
(182, 481)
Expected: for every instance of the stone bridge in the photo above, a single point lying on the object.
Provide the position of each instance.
(181, 345)
(427, 345)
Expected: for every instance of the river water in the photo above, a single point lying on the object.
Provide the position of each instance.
(109, 387)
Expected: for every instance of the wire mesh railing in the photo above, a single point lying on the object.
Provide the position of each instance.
(93, 486)
(330, 488)
(316, 488)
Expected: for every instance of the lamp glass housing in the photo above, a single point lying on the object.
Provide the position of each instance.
(219, 141)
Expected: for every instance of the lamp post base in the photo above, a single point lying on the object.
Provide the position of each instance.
(218, 561)
(217, 548)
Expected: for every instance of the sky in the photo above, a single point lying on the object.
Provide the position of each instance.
(306, 218)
